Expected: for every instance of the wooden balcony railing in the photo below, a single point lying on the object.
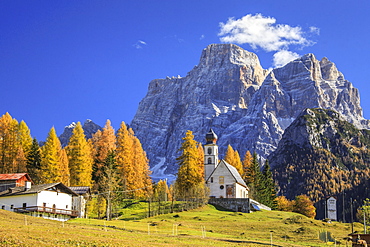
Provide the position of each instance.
(72, 213)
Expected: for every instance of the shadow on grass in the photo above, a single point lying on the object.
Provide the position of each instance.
(219, 208)
(248, 242)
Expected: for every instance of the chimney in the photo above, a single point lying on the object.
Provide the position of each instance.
(27, 185)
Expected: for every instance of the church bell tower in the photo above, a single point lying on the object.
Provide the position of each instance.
(210, 153)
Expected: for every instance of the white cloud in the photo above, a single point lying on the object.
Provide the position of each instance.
(259, 31)
(283, 57)
(202, 37)
(139, 44)
(262, 32)
(315, 30)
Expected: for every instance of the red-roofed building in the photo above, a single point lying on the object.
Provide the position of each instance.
(13, 180)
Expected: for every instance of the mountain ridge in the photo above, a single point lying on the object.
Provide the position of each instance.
(247, 106)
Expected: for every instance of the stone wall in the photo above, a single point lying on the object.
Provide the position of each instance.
(243, 205)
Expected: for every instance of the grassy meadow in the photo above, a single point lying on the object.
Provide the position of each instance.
(207, 226)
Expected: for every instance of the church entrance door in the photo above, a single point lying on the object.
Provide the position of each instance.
(230, 191)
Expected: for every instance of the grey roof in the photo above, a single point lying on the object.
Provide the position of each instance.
(37, 189)
(81, 190)
(233, 172)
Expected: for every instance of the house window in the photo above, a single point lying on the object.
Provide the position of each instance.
(11, 206)
(67, 206)
(3, 207)
(209, 160)
(24, 205)
(211, 179)
(44, 204)
(209, 150)
(221, 180)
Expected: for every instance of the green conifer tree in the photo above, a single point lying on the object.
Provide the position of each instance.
(34, 162)
(267, 192)
(255, 178)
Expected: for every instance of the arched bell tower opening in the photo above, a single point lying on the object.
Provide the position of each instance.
(210, 153)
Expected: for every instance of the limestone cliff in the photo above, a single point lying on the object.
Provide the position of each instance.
(247, 106)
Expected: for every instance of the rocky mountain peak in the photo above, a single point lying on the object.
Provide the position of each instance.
(217, 55)
(247, 106)
(89, 128)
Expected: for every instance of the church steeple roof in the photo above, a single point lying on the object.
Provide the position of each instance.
(211, 137)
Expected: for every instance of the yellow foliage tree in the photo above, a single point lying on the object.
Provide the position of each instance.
(162, 190)
(283, 204)
(64, 167)
(103, 143)
(304, 205)
(232, 157)
(51, 168)
(80, 158)
(124, 159)
(132, 163)
(24, 137)
(9, 144)
(201, 158)
(190, 174)
(246, 163)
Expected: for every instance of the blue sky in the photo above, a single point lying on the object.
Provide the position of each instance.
(65, 61)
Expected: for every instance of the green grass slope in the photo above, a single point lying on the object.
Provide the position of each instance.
(206, 226)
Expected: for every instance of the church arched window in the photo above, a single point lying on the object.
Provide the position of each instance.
(209, 160)
(209, 150)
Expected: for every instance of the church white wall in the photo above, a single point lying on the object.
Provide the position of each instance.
(241, 191)
(223, 177)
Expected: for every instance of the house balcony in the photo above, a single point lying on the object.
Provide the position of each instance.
(40, 209)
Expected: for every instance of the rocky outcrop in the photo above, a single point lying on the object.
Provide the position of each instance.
(320, 154)
(247, 106)
(89, 128)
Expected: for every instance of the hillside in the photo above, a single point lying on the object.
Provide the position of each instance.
(321, 155)
(222, 228)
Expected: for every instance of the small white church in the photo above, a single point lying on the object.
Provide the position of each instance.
(222, 179)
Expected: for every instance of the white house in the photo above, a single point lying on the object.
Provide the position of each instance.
(223, 180)
(79, 203)
(50, 201)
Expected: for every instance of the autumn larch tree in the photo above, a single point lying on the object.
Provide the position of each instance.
(111, 178)
(64, 167)
(141, 164)
(303, 205)
(190, 178)
(232, 157)
(9, 144)
(124, 159)
(133, 164)
(247, 163)
(103, 143)
(51, 168)
(80, 158)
